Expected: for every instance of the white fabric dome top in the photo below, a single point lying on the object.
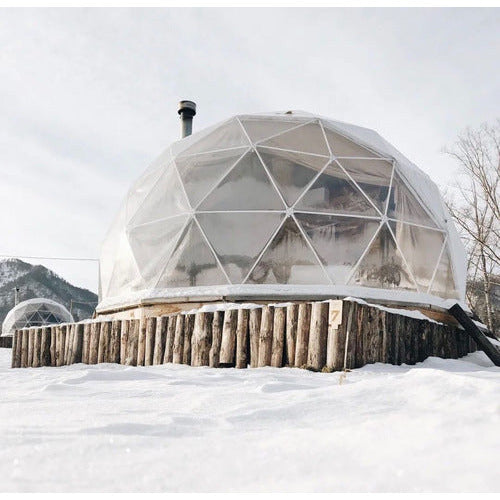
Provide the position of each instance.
(35, 312)
(282, 205)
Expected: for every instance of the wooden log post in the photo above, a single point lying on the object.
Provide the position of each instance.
(303, 325)
(358, 333)
(104, 338)
(24, 348)
(217, 327)
(31, 345)
(169, 340)
(278, 343)
(37, 348)
(125, 328)
(202, 339)
(350, 343)
(141, 345)
(266, 336)
(95, 328)
(115, 342)
(86, 342)
(77, 346)
(45, 347)
(292, 315)
(60, 345)
(254, 334)
(242, 325)
(16, 349)
(386, 340)
(178, 339)
(149, 340)
(228, 343)
(335, 344)
(52, 346)
(160, 340)
(188, 335)
(133, 342)
(68, 344)
(316, 355)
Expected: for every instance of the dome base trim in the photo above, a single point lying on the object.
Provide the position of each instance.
(272, 293)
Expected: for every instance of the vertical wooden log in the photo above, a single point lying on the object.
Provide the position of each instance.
(45, 347)
(336, 337)
(160, 339)
(16, 349)
(217, 326)
(31, 345)
(60, 344)
(316, 355)
(303, 325)
(68, 343)
(228, 344)
(125, 328)
(350, 349)
(386, 340)
(278, 342)
(169, 341)
(149, 341)
(114, 342)
(77, 346)
(133, 342)
(178, 339)
(86, 342)
(266, 336)
(254, 333)
(94, 342)
(36, 347)
(141, 345)
(188, 335)
(24, 348)
(242, 338)
(358, 331)
(292, 315)
(201, 339)
(104, 338)
(52, 332)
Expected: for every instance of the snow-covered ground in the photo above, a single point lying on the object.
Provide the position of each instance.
(431, 427)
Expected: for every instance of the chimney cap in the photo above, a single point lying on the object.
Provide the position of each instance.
(188, 107)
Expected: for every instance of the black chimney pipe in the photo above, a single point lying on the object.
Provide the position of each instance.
(187, 109)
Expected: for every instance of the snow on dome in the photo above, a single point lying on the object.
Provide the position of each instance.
(282, 205)
(35, 312)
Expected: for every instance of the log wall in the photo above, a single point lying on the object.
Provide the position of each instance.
(321, 336)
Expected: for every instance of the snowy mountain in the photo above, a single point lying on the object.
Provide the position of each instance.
(38, 281)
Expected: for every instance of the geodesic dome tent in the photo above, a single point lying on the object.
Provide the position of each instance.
(282, 205)
(35, 312)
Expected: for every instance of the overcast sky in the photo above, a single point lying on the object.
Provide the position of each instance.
(88, 97)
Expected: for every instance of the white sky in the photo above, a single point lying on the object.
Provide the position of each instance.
(89, 97)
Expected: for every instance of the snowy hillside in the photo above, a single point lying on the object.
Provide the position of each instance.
(430, 427)
(38, 281)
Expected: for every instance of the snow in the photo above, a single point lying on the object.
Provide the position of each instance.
(430, 427)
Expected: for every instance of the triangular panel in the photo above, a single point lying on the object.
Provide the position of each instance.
(308, 138)
(383, 266)
(165, 199)
(339, 241)
(291, 171)
(238, 238)
(404, 206)
(334, 192)
(152, 244)
(200, 173)
(288, 260)
(421, 248)
(372, 176)
(444, 283)
(192, 262)
(246, 187)
(345, 148)
(228, 135)
(259, 129)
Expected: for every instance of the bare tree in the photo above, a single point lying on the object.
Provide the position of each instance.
(475, 206)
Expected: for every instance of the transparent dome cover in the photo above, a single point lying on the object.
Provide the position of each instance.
(35, 312)
(282, 205)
